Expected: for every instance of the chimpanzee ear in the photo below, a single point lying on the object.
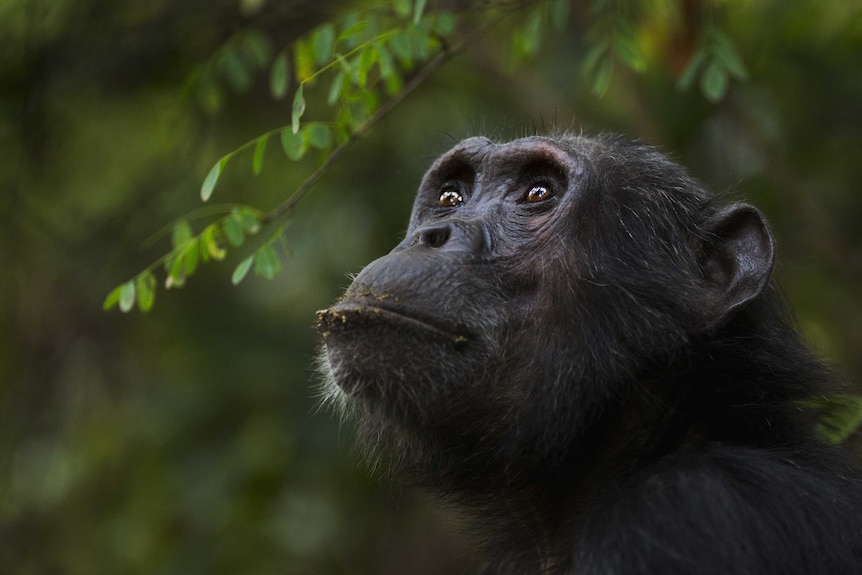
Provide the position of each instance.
(737, 260)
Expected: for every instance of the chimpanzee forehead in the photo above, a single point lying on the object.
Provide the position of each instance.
(482, 155)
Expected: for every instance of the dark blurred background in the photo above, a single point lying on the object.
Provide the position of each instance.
(188, 440)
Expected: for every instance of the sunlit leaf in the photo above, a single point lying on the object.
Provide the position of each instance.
(297, 109)
(127, 296)
(257, 159)
(232, 227)
(212, 178)
(303, 59)
(279, 77)
(242, 270)
(384, 58)
(176, 275)
(181, 233)
(366, 61)
(323, 42)
(294, 145)
(145, 285)
(211, 238)
(113, 298)
(713, 82)
(190, 257)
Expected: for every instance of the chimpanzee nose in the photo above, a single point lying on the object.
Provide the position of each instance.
(434, 236)
(453, 236)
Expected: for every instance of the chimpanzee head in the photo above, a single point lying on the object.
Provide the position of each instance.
(539, 282)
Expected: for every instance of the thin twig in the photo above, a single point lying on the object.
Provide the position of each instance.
(438, 61)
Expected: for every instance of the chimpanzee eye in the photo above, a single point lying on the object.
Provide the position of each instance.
(450, 197)
(538, 193)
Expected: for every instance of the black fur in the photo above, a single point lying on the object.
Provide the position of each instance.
(605, 381)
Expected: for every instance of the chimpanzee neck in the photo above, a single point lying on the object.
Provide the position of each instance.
(739, 387)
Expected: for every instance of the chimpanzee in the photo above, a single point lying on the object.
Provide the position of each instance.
(580, 347)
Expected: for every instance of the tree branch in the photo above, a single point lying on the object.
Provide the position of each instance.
(421, 75)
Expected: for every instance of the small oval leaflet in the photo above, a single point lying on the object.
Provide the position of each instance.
(127, 297)
(211, 179)
(242, 270)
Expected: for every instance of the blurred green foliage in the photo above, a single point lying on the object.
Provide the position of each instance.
(188, 440)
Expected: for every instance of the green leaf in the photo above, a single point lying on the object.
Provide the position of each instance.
(242, 270)
(532, 33)
(421, 42)
(687, 78)
(258, 46)
(303, 59)
(713, 82)
(190, 257)
(602, 79)
(145, 285)
(336, 88)
(629, 53)
(559, 14)
(594, 54)
(235, 70)
(384, 58)
(279, 77)
(402, 47)
(726, 52)
(113, 298)
(294, 145)
(418, 9)
(323, 42)
(401, 8)
(181, 234)
(250, 222)
(212, 178)
(266, 263)
(232, 227)
(840, 416)
(297, 110)
(352, 30)
(212, 241)
(176, 275)
(444, 23)
(318, 134)
(257, 159)
(127, 297)
(366, 61)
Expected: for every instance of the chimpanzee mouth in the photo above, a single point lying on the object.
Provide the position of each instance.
(352, 312)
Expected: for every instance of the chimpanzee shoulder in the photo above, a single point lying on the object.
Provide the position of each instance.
(727, 509)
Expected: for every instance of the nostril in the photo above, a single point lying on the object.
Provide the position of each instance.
(434, 237)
